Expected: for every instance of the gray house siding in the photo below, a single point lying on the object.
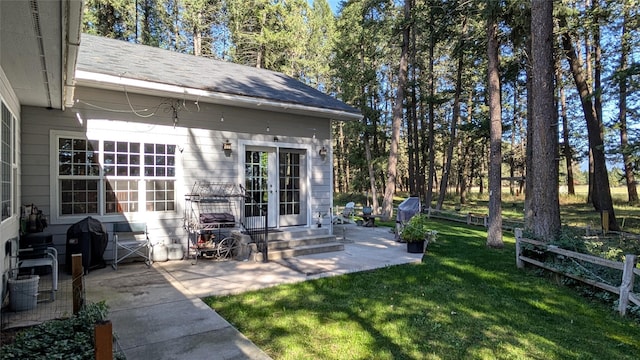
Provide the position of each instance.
(198, 135)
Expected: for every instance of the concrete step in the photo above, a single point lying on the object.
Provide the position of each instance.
(298, 243)
(285, 253)
(295, 233)
(308, 240)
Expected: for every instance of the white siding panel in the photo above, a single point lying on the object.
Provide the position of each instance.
(199, 134)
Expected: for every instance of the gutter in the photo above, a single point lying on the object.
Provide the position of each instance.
(71, 15)
(118, 83)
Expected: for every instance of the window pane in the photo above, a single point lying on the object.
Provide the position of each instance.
(122, 147)
(121, 196)
(160, 195)
(110, 146)
(77, 197)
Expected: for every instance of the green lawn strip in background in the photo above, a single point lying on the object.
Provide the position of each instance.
(575, 210)
(464, 301)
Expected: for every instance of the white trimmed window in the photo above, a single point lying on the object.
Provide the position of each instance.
(110, 177)
(7, 161)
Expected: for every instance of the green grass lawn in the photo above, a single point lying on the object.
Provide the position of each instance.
(465, 301)
(573, 208)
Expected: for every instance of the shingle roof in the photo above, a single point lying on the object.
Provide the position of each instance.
(121, 58)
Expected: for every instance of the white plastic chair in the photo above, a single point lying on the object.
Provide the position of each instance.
(347, 214)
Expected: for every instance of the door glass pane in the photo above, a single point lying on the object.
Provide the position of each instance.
(256, 181)
(289, 182)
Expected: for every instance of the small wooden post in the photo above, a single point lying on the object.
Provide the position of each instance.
(103, 334)
(468, 218)
(519, 263)
(605, 221)
(627, 283)
(76, 285)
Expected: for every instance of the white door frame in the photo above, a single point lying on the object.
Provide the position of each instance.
(273, 148)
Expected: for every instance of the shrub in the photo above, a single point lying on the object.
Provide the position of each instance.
(70, 338)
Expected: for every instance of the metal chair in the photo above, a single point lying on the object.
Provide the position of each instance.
(49, 258)
(132, 239)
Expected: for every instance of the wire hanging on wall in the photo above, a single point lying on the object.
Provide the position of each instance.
(170, 105)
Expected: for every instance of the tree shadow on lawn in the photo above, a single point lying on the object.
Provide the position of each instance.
(464, 301)
(511, 301)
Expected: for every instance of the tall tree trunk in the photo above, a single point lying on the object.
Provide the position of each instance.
(632, 191)
(602, 192)
(370, 168)
(590, 177)
(454, 119)
(197, 36)
(597, 75)
(529, 126)
(430, 135)
(512, 156)
(543, 215)
(494, 233)
(390, 186)
(412, 114)
(465, 172)
(591, 190)
(568, 154)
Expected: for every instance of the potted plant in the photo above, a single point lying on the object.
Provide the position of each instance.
(416, 233)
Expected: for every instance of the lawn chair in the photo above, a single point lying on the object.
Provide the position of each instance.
(347, 214)
(133, 240)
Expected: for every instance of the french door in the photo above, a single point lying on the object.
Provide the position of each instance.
(275, 179)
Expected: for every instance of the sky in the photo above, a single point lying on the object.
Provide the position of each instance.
(334, 5)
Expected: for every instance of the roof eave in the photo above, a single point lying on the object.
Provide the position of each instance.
(119, 83)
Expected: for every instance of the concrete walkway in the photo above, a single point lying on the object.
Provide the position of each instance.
(157, 313)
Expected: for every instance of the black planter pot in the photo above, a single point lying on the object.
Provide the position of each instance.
(415, 247)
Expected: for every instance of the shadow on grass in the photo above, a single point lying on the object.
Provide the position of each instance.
(464, 301)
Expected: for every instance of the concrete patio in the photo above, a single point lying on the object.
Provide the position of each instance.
(157, 313)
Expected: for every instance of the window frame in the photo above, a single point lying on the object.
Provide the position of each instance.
(103, 178)
(11, 163)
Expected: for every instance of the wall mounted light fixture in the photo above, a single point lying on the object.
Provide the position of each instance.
(226, 146)
(322, 152)
(275, 139)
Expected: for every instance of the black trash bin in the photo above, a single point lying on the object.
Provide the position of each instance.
(89, 238)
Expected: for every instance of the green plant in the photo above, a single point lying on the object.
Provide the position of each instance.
(70, 338)
(417, 229)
